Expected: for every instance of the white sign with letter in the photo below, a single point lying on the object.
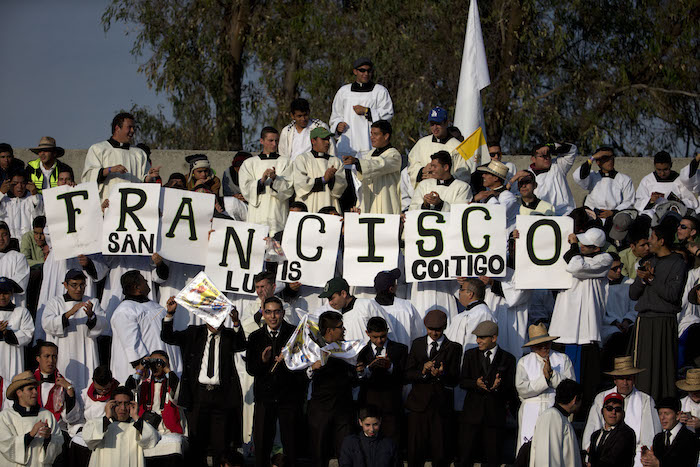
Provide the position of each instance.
(185, 225)
(371, 246)
(427, 255)
(131, 220)
(477, 240)
(539, 252)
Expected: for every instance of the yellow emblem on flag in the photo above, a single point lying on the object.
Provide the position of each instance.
(474, 144)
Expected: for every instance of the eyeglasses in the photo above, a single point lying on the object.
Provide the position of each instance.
(614, 408)
(364, 70)
(683, 227)
(495, 154)
(616, 268)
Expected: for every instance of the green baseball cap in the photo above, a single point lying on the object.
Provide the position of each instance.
(320, 132)
(335, 285)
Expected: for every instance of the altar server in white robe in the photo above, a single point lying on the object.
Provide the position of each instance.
(406, 190)
(13, 264)
(640, 411)
(379, 173)
(690, 404)
(136, 325)
(356, 106)
(441, 190)
(537, 376)
(116, 161)
(663, 184)
(266, 183)
(609, 190)
(404, 319)
(356, 311)
(554, 443)
(439, 139)
(459, 329)
(16, 329)
(494, 176)
(510, 307)
(295, 138)
(550, 175)
(120, 437)
(74, 322)
(93, 400)
(29, 435)
(18, 206)
(319, 178)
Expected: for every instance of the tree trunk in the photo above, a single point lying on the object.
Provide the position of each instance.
(290, 87)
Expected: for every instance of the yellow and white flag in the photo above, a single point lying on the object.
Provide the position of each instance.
(201, 298)
(473, 77)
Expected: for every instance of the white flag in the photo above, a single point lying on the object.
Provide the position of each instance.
(201, 298)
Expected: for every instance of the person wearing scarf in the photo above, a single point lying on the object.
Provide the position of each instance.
(16, 329)
(202, 174)
(29, 434)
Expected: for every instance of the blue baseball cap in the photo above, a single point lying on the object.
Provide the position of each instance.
(437, 115)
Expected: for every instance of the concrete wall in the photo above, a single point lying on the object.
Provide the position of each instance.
(174, 161)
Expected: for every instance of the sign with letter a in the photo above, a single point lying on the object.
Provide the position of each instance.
(75, 219)
(539, 252)
(371, 246)
(131, 220)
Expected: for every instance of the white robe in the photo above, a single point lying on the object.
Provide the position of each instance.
(640, 415)
(19, 213)
(606, 193)
(136, 334)
(307, 170)
(379, 175)
(618, 307)
(292, 142)
(510, 202)
(13, 427)
(91, 409)
(578, 311)
(552, 185)
(356, 137)
(431, 295)
(12, 356)
(102, 155)
(53, 278)
(688, 309)
(14, 265)
(404, 321)
(59, 397)
(270, 207)
(120, 445)
(355, 320)
(511, 311)
(689, 405)
(650, 184)
(407, 190)
(420, 153)
(78, 356)
(535, 393)
(554, 443)
(235, 208)
(457, 192)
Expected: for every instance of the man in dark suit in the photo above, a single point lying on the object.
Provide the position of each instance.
(210, 391)
(433, 369)
(330, 408)
(381, 364)
(676, 445)
(614, 445)
(488, 376)
(279, 393)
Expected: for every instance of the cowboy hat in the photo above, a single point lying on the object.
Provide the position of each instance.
(497, 168)
(624, 366)
(47, 143)
(538, 334)
(23, 379)
(691, 381)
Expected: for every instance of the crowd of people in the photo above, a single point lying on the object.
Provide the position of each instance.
(100, 366)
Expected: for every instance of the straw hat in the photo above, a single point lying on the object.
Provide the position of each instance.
(23, 379)
(691, 381)
(624, 366)
(538, 334)
(47, 143)
(497, 168)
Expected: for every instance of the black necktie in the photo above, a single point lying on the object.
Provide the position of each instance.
(602, 439)
(433, 350)
(487, 361)
(668, 438)
(212, 354)
(274, 335)
(379, 351)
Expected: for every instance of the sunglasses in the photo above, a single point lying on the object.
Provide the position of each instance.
(364, 70)
(683, 227)
(614, 408)
(495, 154)
(616, 268)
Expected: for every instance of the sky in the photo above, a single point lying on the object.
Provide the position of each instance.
(62, 75)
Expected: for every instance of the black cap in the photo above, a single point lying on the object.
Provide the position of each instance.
(362, 61)
(8, 285)
(74, 274)
(672, 403)
(386, 279)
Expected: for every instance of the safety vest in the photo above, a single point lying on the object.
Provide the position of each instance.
(36, 176)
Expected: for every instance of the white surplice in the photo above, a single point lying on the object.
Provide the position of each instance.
(606, 192)
(552, 185)
(294, 142)
(120, 445)
(404, 320)
(380, 173)
(355, 319)
(12, 356)
(420, 153)
(308, 176)
(14, 427)
(554, 443)
(19, 213)
(103, 154)
(451, 191)
(14, 265)
(511, 311)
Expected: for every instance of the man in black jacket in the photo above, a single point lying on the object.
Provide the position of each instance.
(615, 444)
(369, 448)
(381, 364)
(330, 408)
(488, 376)
(210, 391)
(433, 369)
(279, 393)
(676, 445)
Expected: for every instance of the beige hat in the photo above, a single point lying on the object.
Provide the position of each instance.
(497, 168)
(538, 334)
(624, 366)
(48, 143)
(486, 328)
(23, 379)
(691, 381)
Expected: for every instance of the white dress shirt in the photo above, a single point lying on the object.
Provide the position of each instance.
(203, 378)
